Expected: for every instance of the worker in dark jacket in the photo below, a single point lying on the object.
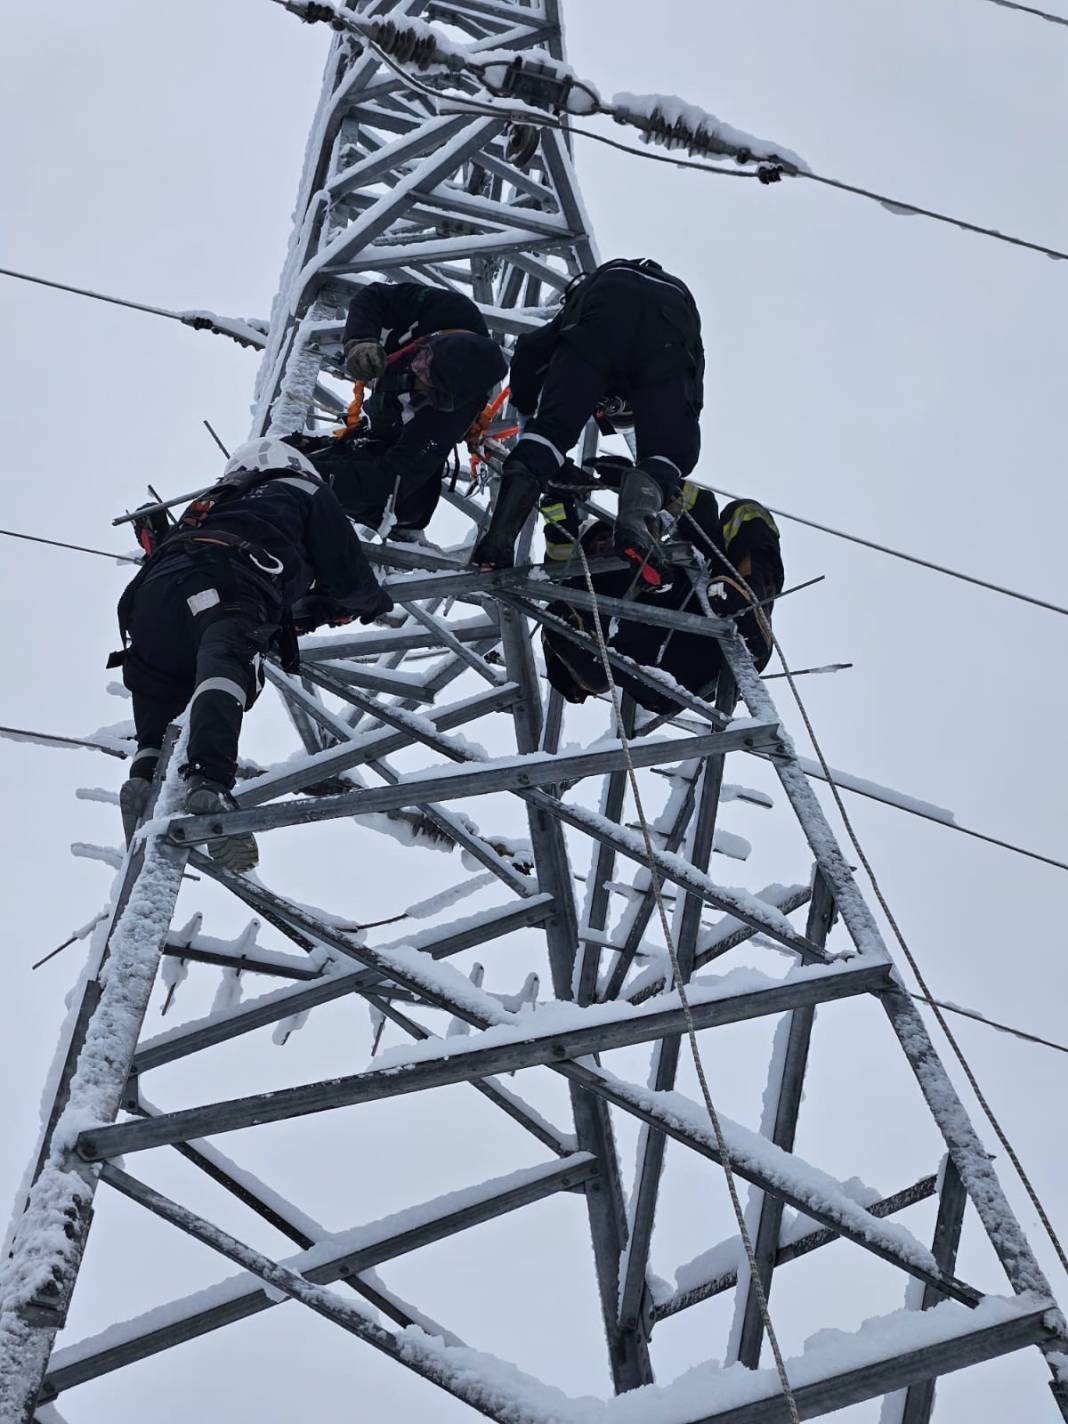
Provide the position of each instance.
(745, 532)
(630, 333)
(434, 365)
(213, 598)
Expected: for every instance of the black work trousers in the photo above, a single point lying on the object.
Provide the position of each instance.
(624, 328)
(199, 626)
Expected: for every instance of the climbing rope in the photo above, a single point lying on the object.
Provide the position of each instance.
(926, 994)
(757, 1284)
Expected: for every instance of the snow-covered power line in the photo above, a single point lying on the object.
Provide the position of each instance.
(245, 333)
(538, 91)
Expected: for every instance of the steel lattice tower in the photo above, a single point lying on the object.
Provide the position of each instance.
(391, 188)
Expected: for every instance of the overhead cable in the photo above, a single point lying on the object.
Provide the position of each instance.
(1031, 10)
(993, 1023)
(79, 548)
(542, 87)
(198, 320)
(908, 558)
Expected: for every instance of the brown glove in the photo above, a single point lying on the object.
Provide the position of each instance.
(364, 360)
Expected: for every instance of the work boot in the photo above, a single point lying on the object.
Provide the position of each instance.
(640, 501)
(518, 495)
(206, 798)
(133, 798)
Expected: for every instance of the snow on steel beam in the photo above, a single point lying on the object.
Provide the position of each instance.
(368, 746)
(557, 1034)
(678, 871)
(915, 1404)
(628, 1351)
(356, 1319)
(345, 251)
(969, 1155)
(271, 1008)
(706, 1276)
(326, 649)
(633, 1292)
(782, 1099)
(782, 1174)
(477, 779)
(334, 1257)
(1015, 1324)
(503, 1098)
(728, 934)
(38, 1277)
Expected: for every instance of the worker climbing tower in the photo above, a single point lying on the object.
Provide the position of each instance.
(419, 175)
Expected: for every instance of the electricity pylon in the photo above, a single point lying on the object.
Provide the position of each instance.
(392, 188)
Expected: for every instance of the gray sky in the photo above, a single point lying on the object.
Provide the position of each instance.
(880, 373)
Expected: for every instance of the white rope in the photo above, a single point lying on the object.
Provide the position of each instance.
(757, 1284)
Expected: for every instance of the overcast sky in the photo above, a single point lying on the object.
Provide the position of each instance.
(879, 373)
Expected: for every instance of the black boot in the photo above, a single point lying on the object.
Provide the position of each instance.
(206, 797)
(640, 501)
(516, 498)
(133, 798)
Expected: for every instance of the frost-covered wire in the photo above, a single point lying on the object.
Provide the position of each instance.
(662, 120)
(198, 320)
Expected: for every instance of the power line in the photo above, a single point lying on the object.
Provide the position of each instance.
(79, 548)
(86, 292)
(899, 206)
(380, 36)
(1031, 10)
(243, 332)
(992, 1023)
(908, 558)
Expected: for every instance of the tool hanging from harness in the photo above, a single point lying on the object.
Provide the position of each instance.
(479, 432)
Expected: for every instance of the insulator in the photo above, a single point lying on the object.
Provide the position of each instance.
(522, 144)
(405, 45)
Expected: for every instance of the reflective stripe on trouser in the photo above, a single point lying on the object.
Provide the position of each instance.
(226, 684)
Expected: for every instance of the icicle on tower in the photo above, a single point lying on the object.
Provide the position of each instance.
(558, 1056)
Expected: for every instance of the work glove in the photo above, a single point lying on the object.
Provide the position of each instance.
(371, 605)
(315, 609)
(364, 360)
(611, 469)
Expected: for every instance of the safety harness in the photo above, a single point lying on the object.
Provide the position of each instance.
(187, 536)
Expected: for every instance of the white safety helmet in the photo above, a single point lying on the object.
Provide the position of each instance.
(268, 453)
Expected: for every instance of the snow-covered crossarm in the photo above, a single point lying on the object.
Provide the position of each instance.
(556, 1034)
(334, 1256)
